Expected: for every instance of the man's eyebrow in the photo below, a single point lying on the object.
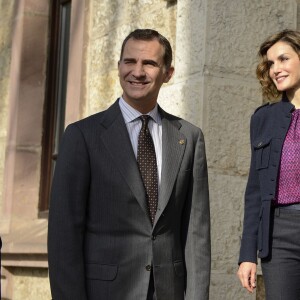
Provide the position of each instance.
(128, 59)
(150, 61)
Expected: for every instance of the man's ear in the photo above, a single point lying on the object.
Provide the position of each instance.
(118, 68)
(169, 74)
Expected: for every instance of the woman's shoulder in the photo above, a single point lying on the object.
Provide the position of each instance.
(265, 110)
(266, 107)
(264, 115)
(262, 107)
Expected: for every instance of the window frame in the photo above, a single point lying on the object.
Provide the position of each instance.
(55, 97)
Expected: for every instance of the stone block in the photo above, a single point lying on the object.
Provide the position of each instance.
(36, 7)
(2, 163)
(34, 45)
(30, 283)
(5, 58)
(190, 39)
(227, 287)
(103, 91)
(3, 106)
(6, 12)
(228, 107)
(111, 23)
(26, 183)
(227, 205)
(104, 51)
(184, 99)
(107, 16)
(237, 28)
(32, 81)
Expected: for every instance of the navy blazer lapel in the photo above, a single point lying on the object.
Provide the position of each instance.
(116, 139)
(173, 147)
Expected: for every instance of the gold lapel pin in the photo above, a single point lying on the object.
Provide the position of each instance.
(181, 142)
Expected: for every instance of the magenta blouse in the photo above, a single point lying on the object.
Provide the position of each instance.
(288, 186)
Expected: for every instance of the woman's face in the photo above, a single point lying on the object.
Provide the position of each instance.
(284, 67)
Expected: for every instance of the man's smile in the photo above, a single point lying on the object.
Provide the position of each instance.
(137, 83)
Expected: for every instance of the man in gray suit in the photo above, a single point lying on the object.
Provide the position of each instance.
(112, 237)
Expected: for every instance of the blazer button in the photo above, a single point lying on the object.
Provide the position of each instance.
(148, 267)
(153, 237)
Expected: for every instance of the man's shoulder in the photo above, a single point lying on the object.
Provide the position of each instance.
(182, 122)
(188, 129)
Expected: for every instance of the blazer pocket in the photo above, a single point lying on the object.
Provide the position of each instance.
(179, 268)
(262, 150)
(101, 272)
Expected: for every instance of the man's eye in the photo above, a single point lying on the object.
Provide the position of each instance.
(150, 63)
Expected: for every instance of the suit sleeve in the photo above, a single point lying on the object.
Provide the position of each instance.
(69, 195)
(248, 250)
(197, 221)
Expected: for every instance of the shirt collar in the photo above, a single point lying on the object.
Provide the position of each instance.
(130, 114)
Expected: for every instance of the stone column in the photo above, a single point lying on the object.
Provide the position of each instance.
(215, 88)
(185, 96)
(234, 31)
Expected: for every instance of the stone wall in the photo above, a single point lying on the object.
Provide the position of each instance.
(215, 44)
(24, 28)
(110, 22)
(6, 15)
(234, 30)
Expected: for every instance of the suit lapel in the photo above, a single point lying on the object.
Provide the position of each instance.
(173, 147)
(117, 142)
(116, 139)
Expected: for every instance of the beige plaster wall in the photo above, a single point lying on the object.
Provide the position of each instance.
(6, 12)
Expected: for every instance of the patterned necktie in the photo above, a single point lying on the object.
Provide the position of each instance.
(146, 159)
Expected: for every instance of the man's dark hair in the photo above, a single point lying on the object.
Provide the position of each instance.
(150, 35)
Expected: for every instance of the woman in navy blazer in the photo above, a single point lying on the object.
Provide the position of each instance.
(272, 198)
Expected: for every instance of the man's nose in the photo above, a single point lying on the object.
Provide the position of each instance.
(138, 70)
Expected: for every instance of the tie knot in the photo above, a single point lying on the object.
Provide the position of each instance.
(145, 118)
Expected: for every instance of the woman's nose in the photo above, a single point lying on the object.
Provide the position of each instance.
(276, 68)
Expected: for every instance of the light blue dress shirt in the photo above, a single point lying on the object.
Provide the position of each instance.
(134, 125)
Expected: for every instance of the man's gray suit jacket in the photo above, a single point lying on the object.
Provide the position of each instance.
(101, 241)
